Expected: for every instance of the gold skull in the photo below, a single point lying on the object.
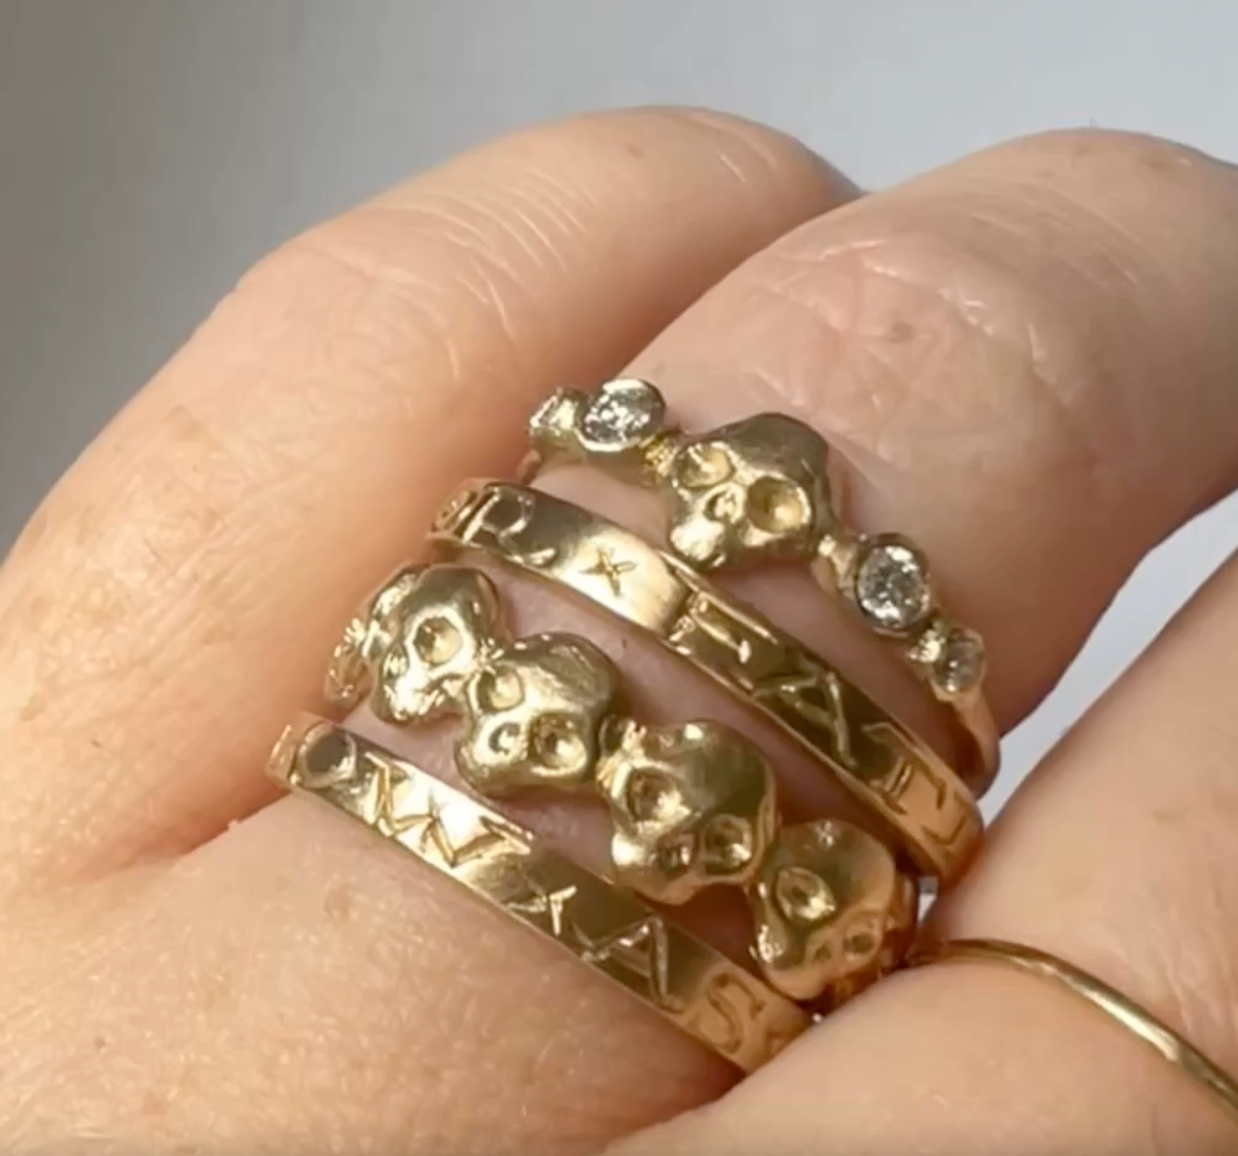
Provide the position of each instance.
(824, 901)
(366, 636)
(416, 641)
(534, 715)
(693, 805)
(756, 490)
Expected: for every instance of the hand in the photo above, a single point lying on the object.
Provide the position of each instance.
(1027, 360)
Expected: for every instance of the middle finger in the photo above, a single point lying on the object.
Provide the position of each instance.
(929, 334)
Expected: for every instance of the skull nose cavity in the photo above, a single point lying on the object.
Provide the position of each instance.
(506, 740)
(777, 507)
(650, 798)
(803, 897)
(557, 746)
(725, 505)
(674, 854)
(726, 845)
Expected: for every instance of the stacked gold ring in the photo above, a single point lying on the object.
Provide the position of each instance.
(692, 804)
(681, 977)
(758, 490)
(871, 753)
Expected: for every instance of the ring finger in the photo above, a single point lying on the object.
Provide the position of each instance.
(930, 336)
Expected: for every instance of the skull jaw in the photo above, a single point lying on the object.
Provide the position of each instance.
(635, 865)
(711, 545)
(407, 699)
(804, 963)
(498, 776)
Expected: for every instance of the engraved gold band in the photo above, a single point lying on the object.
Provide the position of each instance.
(877, 758)
(758, 490)
(693, 805)
(1125, 1012)
(612, 931)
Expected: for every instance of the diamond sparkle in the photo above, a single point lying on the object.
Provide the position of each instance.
(891, 585)
(622, 413)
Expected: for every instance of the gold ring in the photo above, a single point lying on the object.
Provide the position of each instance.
(684, 979)
(758, 490)
(692, 805)
(875, 756)
(1167, 1042)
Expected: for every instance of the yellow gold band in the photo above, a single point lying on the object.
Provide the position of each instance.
(759, 490)
(693, 805)
(875, 756)
(1168, 1043)
(681, 977)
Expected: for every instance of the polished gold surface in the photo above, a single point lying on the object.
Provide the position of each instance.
(874, 755)
(758, 490)
(692, 805)
(832, 911)
(1125, 1012)
(604, 926)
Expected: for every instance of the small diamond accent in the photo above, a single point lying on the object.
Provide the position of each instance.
(891, 585)
(959, 666)
(543, 417)
(623, 413)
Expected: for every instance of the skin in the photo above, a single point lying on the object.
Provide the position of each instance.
(1025, 361)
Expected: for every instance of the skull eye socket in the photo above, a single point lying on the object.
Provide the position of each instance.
(703, 465)
(499, 689)
(557, 744)
(437, 640)
(804, 897)
(777, 506)
(726, 843)
(650, 797)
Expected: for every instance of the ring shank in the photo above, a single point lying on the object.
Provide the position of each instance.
(1168, 1043)
(681, 977)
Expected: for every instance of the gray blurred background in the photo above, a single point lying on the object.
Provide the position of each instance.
(151, 149)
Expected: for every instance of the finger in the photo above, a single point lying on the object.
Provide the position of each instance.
(170, 603)
(1024, 360)
(393, 1052)
(1118, 856)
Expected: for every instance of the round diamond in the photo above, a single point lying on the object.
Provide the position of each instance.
(623, 412)
(960, 665)
(891, 585)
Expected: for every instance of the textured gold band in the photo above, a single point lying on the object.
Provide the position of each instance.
(759, 490)
(678, 975)
(693, 804)
(1184, 1056)
(876, 757)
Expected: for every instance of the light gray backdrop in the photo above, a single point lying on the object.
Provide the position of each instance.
(151, 149)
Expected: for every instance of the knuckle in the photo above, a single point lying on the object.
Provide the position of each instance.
(924, 342)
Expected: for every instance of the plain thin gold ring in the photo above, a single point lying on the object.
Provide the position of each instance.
(1168, 1043)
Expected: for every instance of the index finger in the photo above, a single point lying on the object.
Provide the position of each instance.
(194, 565)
